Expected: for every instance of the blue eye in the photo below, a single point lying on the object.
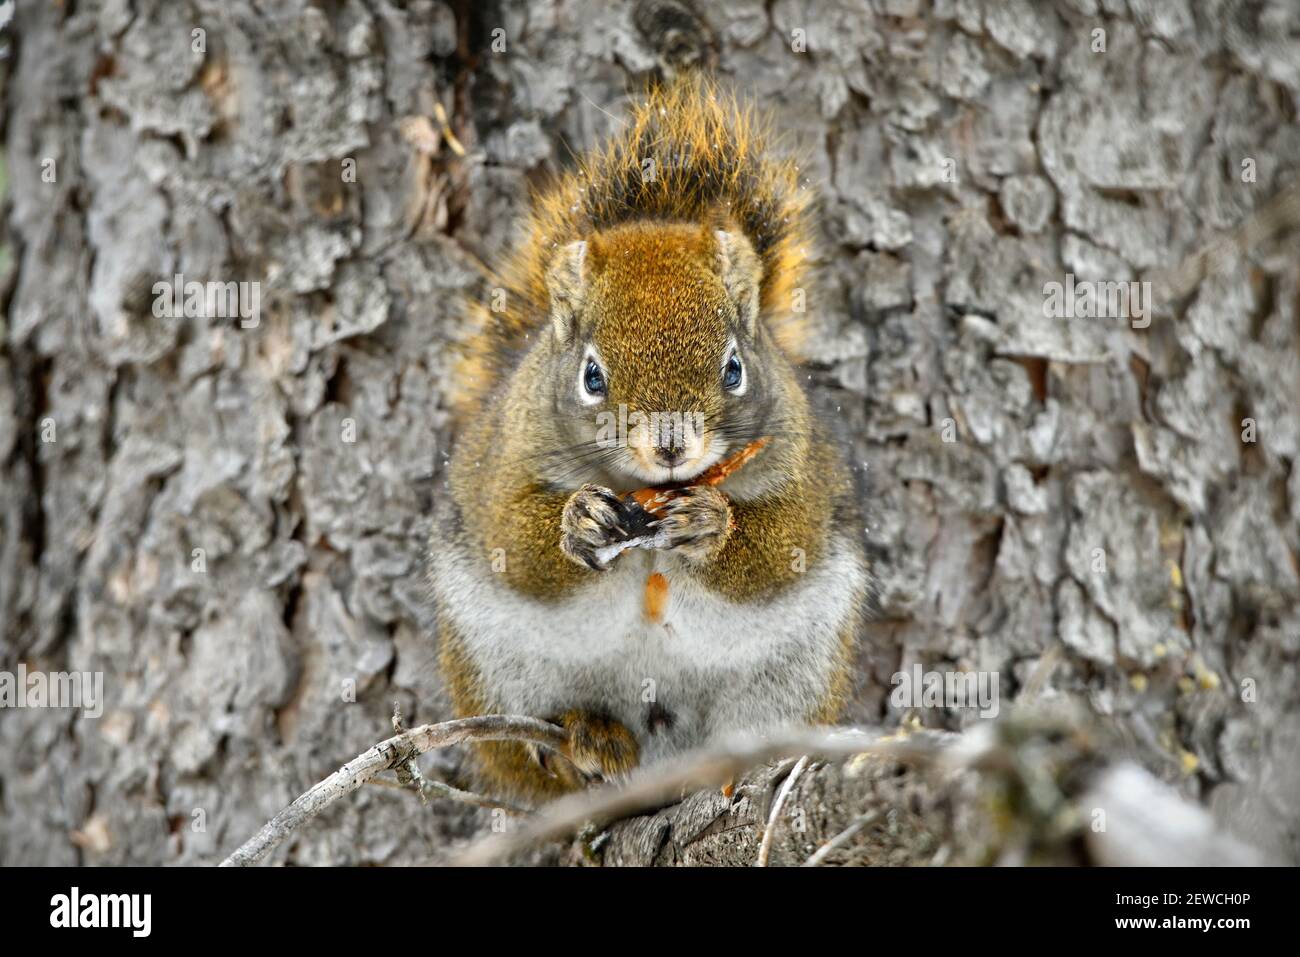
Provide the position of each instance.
(593, 380)
(733, 374)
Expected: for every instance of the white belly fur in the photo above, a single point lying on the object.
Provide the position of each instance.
(716, 666)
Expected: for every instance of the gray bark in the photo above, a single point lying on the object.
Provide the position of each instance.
(1037, 793)
(129, 441)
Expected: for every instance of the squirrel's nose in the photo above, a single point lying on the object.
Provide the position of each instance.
(669, 456)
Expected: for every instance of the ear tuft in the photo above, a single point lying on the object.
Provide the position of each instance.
(741, 273)
(567, 282)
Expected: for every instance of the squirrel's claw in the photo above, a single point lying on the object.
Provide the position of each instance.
(696, 523)
(592, 519)
(600, 747)
(557, 767)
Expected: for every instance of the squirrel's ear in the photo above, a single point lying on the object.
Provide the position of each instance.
(567, 281)
(741, 273)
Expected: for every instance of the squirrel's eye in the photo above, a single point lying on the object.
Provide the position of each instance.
(593, 380)
(733, 374)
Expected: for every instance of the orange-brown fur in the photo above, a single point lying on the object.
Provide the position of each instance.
(657, 312)
(712, 162)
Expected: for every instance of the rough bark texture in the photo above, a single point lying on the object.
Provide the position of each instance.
(1039, 791)
(128, 441)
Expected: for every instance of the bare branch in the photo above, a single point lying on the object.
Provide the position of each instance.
(388, 755)
(766, 847)
(654, 787)
(426, 788)
(840, 839)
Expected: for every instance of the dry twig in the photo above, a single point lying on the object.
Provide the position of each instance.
(655, 787)
(765, 848)
(840, 839)
(391, 755)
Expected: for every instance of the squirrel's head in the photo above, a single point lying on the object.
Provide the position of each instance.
(657, 359)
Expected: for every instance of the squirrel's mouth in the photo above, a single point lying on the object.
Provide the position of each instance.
(641, 467)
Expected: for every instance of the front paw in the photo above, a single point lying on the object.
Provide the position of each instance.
(593, 520)
(696, 523)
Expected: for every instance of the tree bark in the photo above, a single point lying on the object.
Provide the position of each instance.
(229, 520)
(881, 812)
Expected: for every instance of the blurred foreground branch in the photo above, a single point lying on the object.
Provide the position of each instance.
(1035, 787)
